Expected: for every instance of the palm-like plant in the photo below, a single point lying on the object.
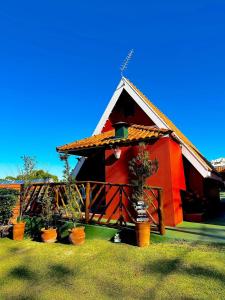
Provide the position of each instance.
(141, 168)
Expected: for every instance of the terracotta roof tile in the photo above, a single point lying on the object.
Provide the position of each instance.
(135, 133)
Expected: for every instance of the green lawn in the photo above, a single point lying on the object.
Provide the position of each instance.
(203, 232)
(102, 270)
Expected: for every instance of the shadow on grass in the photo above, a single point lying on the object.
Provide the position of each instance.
(61, 272)
(23, 272)
(34, 281)
(162, 266)
(167, 266)
(212, 233)
(14, 250)
(128, 236)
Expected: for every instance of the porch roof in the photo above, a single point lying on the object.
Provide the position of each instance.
(136, 133)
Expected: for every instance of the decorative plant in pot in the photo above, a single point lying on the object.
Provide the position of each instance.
(8, 199)
(26, 175)
(72, 208)
(49, 232)
(141, 168)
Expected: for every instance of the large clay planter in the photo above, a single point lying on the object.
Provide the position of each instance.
(18, 231)
(77, 235)
(49, 235)
(143, 234)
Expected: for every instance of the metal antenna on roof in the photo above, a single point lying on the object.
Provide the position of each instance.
(124, 65)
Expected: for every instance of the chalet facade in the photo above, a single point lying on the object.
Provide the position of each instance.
(130, 118)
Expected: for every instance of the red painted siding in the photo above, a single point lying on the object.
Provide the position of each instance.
(121, 113)
(170, 175)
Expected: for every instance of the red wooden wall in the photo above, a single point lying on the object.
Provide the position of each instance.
(170, 175)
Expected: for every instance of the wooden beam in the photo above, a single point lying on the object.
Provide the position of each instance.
(161, 214)
(87, 201)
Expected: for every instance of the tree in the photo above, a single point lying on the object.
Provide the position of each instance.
(41, 174)
(26, 175)
(9, 178)
(28, 172)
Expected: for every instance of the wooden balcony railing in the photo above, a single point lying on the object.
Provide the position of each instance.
(100, 202)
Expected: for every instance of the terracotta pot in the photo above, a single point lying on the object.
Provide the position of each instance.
(18, 231)
(49, 235)
(77, 235)
(143, 234)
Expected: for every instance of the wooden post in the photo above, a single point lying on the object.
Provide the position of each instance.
(121, 206)
(87, 202)
(161, 213)
(56, 197)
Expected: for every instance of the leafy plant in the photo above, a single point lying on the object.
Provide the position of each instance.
(141, 168)
(72, 207)
(26, 175)
(33, 226)
(8, 199)
(47, 207)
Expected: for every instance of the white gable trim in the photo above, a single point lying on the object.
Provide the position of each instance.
(109, 107)
(192, 159)
(124, 84)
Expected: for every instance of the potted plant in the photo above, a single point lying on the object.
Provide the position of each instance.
(19, 224)
(26, 175)
(8, 199)
(48, 233)
(141, 168)
(76, 233)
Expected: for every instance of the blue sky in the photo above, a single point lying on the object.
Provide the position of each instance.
(59, 65)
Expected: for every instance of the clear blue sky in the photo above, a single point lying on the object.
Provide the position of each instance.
(59, 65)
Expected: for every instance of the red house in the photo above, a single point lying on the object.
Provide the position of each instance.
(130, 118)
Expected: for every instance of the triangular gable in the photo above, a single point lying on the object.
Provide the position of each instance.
(188, 149)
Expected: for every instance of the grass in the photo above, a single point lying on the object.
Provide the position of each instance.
(100, 269)
(91, 231)
(197, 232)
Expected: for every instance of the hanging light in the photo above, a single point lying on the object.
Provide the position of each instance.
(117, 152)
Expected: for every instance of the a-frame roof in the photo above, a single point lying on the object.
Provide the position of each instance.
(171, 126)
(188, 149)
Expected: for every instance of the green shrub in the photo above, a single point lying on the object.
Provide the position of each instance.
(33, 226)
(8, 199)
(63, 229)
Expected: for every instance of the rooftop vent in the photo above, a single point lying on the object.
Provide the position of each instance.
(121, 130)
